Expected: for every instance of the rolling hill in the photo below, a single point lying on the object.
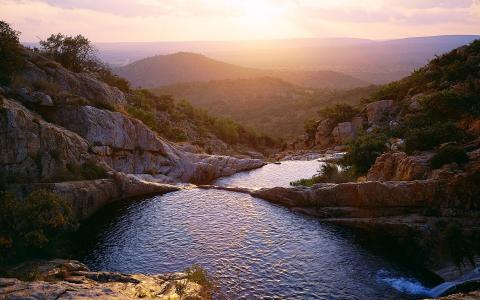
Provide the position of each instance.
(181, 67)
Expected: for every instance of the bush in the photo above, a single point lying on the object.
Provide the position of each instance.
(363, 152)
(10, 52)
(339, 113)
(428, 137)
(75, 53)
(200, 276)
(147, 117)
(328, 173)
(33, 227)
(449, 154)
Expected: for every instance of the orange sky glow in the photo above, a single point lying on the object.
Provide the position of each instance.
(181, 20)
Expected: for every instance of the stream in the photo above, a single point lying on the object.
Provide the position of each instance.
(253, 248)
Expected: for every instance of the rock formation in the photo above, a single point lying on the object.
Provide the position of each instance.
(66, 279)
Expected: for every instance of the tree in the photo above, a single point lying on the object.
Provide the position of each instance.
(75, 53)
(10, 52)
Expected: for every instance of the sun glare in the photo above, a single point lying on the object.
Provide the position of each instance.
(260, 13)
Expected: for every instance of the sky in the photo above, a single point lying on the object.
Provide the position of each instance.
(209, 20)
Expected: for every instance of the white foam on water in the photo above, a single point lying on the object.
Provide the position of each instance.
(403, 284)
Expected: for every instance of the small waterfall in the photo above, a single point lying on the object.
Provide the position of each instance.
(414, 287)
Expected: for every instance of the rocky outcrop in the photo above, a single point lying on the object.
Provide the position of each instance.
(347, 131)
(66, 279)
(128, 146)
(398, 166)
(34, 151)
(31, 148)
(329, 133)
(47, 74)
(376, 111)
(87, 197)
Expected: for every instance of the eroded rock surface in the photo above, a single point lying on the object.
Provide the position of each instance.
(398, 166)
(66, 279)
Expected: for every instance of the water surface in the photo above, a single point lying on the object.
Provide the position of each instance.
(256, 249)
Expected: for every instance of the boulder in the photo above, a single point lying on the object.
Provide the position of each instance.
(346, 131)
(343, 132)
(398, 166)
(376, 111)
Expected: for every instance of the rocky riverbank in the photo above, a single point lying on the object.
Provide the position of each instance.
(69, 133)
(67, 279)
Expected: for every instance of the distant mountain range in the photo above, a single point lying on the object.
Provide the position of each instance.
(181, 67)
(371, 61)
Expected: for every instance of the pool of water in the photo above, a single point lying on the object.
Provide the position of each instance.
(254, 249)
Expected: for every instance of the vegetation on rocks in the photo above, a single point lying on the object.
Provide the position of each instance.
(449, 154)
(363, 152)
(328, 173)
(33, 227)
(339, 113)
(10, 52)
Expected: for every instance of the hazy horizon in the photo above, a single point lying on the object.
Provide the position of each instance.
(111, 21)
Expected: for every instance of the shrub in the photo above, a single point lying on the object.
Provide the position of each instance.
(106, 75)
(310, 128)
(428, 137)
(200, 276)
(449, 154)
(10, 52)
(75, 53)
(328, 173)
(147, 117)
(458, 246)
(33, 227)
(363, 152)
(339, 113)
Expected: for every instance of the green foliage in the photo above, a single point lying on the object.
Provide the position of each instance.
(310, 127)
(32, 227)
(227, 130)
(106, 75)
(428, 137)
(328, 173)
(147, 117)
(75, 53)
(339, 113)
(200, 276)
(449, 154)
(363, 152)
(10, 52)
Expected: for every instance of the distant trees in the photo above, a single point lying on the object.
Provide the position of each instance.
(10, 52)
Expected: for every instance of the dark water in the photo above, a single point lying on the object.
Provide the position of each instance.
(255, 249)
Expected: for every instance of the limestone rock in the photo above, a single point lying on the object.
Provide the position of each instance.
(347, 131)
(128, 146)
(398, 166)
(64, 279)
(376, 111)
(33, 148)
(65, 82)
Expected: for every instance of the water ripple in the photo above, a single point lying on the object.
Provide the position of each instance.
(254, 248)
